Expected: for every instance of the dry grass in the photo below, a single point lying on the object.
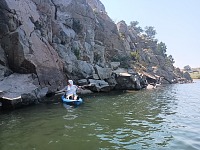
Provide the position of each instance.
(195, 75)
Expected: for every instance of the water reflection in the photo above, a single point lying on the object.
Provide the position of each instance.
(141, 120)
(164, 118)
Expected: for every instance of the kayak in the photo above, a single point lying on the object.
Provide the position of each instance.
(71, 101)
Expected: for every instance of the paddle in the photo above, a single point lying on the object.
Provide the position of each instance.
(62, 91)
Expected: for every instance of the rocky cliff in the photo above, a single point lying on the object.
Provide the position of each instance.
(47, 42)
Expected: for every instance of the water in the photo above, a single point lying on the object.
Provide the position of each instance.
(162, 119)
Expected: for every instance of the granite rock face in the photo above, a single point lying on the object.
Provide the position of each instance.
(56, 40)
(25, 47)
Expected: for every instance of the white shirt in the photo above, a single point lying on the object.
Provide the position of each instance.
(71, 89)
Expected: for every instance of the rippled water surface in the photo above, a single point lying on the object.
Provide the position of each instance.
(165, 118)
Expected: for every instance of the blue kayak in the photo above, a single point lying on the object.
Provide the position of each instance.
(72, 102)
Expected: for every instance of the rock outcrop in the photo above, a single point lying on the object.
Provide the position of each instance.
(54, 40)
(27, 49)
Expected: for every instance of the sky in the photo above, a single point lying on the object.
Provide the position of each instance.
(177, 23)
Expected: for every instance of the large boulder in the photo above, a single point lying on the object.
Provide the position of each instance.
(127, 80)
(103, 73)
(18, 90)
(99, 86)
(26, 47)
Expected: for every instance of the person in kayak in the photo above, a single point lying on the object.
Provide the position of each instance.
(70, 90)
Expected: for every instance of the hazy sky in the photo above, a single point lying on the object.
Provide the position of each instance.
(177, 23)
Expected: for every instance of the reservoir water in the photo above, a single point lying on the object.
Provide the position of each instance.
(166, 118)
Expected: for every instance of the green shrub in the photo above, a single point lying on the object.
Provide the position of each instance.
(135, 55)
(76, 53)
(124, 60)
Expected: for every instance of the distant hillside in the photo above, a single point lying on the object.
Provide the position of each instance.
(195, 73)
